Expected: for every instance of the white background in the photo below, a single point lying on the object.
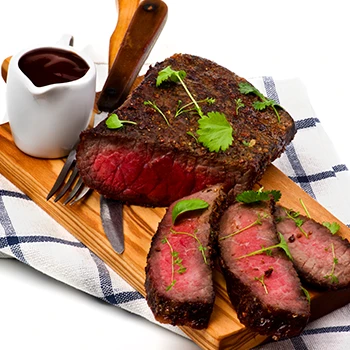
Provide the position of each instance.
(305, 39)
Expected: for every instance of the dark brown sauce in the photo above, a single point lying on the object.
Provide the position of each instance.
(46, 66)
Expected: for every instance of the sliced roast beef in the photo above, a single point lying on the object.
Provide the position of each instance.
(179, 281)
(264, 288)
(321, 259)
(154, 164)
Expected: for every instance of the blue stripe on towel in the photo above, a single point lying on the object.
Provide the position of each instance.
(290, 152)
(10, 233)
(107, 287)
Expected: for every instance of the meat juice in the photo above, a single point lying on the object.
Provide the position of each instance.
(46, 66)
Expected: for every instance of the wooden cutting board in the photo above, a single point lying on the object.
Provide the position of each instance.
(35, 177)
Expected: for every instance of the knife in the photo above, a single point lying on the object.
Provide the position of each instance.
(140, 37)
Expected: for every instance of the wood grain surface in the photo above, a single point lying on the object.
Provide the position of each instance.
(35, 177)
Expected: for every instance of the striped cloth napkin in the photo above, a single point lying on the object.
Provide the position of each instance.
(310, 161)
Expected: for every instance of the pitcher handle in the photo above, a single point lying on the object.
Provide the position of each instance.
(66, 40)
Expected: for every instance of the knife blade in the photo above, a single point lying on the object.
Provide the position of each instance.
(139, 39)
(111, 212)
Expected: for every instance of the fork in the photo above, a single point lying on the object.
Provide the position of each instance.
(73, 183)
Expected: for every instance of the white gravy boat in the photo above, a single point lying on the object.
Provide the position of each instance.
(46, 120)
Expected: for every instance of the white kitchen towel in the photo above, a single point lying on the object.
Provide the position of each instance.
(28, 234)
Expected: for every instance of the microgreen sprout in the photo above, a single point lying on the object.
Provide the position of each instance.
(283, 245)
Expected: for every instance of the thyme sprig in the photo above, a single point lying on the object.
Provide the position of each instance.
(175, 260)
(268, 250)
(239, 104)
(155, 107)
(294, 215)
(331, 275)
(201, 248)
(258, 221)
(180, 110)
(261, 279)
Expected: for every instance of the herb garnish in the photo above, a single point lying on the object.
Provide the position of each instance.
(257, 196)
(305, 209)
(307, 294)
(177, 76)
(214, 131)
(247, 88)
(113, 122)
(283, 245)
(201, 248)
(154, 106)
(180, 110)
(239, 104)
(175, 260)
(334, 227)
(261, 279)
(294, 215)
(331, 275)
(258, 221)
(186, 205)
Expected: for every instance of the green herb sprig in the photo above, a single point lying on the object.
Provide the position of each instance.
(258, 196)
(246, 88)
(113, 122)
(307, 294)
(261, 279)
(334, 227)
(201, 248)
(214, 131)
(184, 108)
(331, 275)
(294, 215)
(258, 221)
(268, 250)
(155, 107)
(239, 104)
(175, 260)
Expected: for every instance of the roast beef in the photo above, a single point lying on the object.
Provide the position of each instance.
(179, 281)
(154, 164)
(264, 288)
(321, 259)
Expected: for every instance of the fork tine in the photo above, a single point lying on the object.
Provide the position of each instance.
(82, 194)
(74, 191)
(67, 185)
(65, 169)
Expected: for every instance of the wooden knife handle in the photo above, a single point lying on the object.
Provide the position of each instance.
(141, 35)
(5, 68)
(126, 10)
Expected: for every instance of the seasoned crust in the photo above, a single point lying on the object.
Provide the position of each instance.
(165, 150)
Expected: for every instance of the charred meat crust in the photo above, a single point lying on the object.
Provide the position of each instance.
(259, 317)
(166, 310)
(135, 164)
(255, 308)
(184, 306)
(314, 256)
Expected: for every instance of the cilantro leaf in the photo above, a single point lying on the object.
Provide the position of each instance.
(186, 205)
(113, 122)
(333, 227)
(246, 88)
(215, 132)
(169, 74)
(257, 196)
